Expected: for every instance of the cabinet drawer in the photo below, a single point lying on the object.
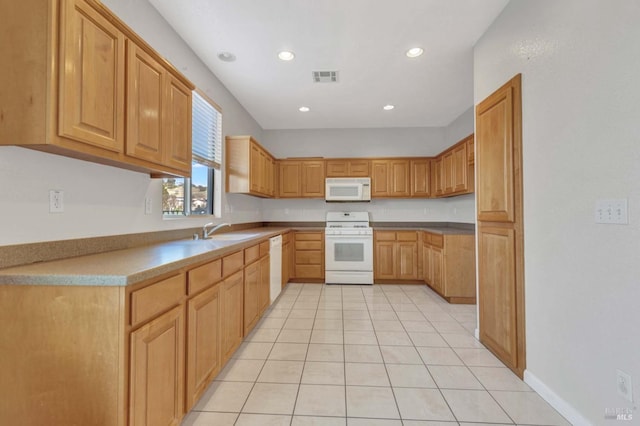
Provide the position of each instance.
(232, 263)
(437, 240)
(205, 275)
(264, 248)
(407, 236)
(156, 298)
(251, 254)
(309, 271)
(385, 236)
(308, 236)
(308, 258)
(308, 245)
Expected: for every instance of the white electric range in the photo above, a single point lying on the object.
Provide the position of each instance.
(348, 248)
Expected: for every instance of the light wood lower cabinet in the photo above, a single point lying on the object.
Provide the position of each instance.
(203, 342)
(264, 285)
(156, 386)
(448, 265)
(251, 283)
(287, 258)
(396, 255)
(308, 256)
(232, 299)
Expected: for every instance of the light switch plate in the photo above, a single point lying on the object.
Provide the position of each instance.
(612, 211)
(148, 205)
(56, 201)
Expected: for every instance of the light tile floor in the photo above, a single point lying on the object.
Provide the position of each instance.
(379, 355)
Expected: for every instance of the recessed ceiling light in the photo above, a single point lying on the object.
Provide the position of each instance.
(226, 56)
(388, 107)
(285, 55)
(303, 109)
(414, 52)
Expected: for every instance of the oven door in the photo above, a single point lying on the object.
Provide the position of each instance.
(349, 253)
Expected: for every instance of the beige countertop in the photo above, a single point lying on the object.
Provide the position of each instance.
(443, 230)
(133, 265)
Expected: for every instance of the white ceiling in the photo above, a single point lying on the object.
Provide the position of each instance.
(365, 40)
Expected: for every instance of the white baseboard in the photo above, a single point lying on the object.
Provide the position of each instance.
(477, 334)
(562, 406)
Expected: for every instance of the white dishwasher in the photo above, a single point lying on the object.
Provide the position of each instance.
(275, 266)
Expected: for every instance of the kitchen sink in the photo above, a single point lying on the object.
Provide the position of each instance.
(232, 237)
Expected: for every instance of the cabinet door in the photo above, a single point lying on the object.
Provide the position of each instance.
(420, 178)
(232, 316)
(498, 292)
(438, 184)
(400, 175)
(447, 172)
(337, 168)
(255, 171)
(264, 290)
(380, 178)
(251, 282)
(286, 263)
(203, 342)
(156, 385)
(426, 263)
(92, 78)
(313, 179)
(289, 176)
(407, 260)
(460, 166)
(145, 94)
(436, 263)
(176, 143)
(358, 168)
(385, 260)
(271, 177)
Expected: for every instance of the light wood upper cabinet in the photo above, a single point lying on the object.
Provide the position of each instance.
(391, 178)
(301, 178)
(453, 170)
(91, 85)
(420, 178)
(146, 99)
(348, 168)
(250, 169)
(312, 179)
(289, 177)
(84, 85)
(158, 113)
(176, 144)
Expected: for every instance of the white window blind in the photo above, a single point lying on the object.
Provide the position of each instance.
(207, 132)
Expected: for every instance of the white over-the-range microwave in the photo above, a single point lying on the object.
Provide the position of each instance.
(348, 189)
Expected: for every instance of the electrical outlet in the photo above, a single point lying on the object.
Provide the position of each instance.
(624, 385)
(612, 211)
(56, 201)
(148, 205)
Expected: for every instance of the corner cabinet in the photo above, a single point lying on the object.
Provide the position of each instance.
(449, 265)
(250, 169)
(453, 170)
(74, 76)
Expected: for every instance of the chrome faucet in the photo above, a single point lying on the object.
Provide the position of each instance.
(206, 233)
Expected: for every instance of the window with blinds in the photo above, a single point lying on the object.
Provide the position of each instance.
(197, 195)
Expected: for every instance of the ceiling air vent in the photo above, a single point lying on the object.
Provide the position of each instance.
(325, 76)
